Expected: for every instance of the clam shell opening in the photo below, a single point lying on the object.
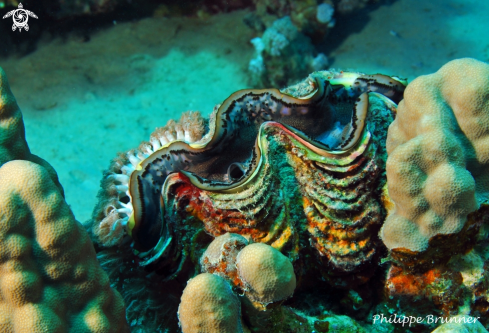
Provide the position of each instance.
(323, 116)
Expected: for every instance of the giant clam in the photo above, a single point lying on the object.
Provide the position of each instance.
(293, 168)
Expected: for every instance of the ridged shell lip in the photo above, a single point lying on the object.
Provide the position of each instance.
(260, 112)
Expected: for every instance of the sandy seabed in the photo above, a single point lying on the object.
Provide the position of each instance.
(85, 101)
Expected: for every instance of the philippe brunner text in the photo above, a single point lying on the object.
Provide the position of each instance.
(429, 319)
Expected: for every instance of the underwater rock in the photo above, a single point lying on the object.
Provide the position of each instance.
(283, 55)
(66, 9)
(461, 324)
(439, 290)
(312, 18)
(348, 6)
(474, 269)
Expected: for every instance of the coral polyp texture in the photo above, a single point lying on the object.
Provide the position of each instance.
(50, 277)
(437, 168)
(12, 133)
(209, 305)
(263, 277)
(220, 257)
(51, 281)
(267, 275)
(438, 180)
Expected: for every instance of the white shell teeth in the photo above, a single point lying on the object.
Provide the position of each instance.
(180, 135)
(148, 150)
(122, 188)
(134, 160)
(142, 156)
(156, 144)
(163, 140)
(187, 137)
(169, 136)
(125, 211)
(121, 178)
(127, 169)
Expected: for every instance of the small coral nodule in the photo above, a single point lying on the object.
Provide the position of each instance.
(208, 304)
(262, 276)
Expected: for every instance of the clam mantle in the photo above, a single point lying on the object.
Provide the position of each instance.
(300, 167)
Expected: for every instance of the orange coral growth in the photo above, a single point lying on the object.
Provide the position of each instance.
(440, 286)
(220, 257)
(402, 283)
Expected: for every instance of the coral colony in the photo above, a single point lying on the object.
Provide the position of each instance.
(345, 203)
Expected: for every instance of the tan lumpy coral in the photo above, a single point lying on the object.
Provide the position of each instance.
(268, 275)
(438, 164)
(50, 280)
(209, 305)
